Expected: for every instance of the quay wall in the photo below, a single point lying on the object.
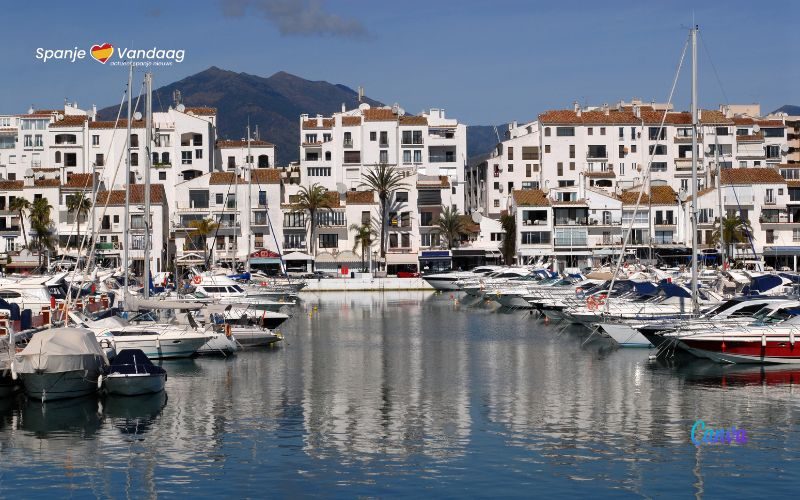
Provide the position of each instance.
(365, 284)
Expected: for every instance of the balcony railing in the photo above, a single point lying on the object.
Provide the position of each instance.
(347, 144)
(441, 159)
(563, 221)
(570, 241)
(770, 200)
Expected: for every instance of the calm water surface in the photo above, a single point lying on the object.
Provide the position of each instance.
(414, 393)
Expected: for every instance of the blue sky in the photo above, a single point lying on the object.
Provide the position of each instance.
(485, 61)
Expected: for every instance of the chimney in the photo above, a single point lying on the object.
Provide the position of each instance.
(637, 111)
(344, 108)
(576, 106)
(605, 108)
(319, 121)
(303, 119)
(94, 112)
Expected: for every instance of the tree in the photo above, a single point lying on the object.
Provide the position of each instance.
(21, 206)
(203, 228)
(384, 180)
(451, 225)
(364, 238)
(312, 200)
(509, 247)
(79, 205)
(734, 230)
(42, 226)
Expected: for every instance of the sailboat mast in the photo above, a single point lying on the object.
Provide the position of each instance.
(695, 305)
(719, 200)
(249, 197)
(148, 134)
(126, 221)
(236, 215)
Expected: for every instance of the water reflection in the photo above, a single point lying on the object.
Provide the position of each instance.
(376, 394)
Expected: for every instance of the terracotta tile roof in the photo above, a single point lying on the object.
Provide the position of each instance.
(793, 183)
(333, 199)
(707, 117)
(744, 120)
(601, 175)
(379, 115)
(702, 193)
(312, 123)
(351, 121)
(223, 178)
(70, 121)
(751, 176)
(117, 197)
(580, 203)
(266, 175)
(11, 185)
(222, 144)
(752, 137)
(661, 195)
(46, 182)
(46, 169)
(39, 113)
(123, 123)
(530, 198)
(360, 197)
(413, 120)
(81, 181)
(201, 110)
(432, 182)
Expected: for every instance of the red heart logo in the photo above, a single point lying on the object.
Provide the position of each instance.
(102, 53)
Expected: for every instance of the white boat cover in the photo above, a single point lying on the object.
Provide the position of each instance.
(137, 303)
(61, 350)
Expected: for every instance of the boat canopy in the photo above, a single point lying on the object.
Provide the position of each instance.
(763, 283)
(60, 350)
(132, 361)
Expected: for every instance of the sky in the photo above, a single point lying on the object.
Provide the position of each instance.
(484, 62)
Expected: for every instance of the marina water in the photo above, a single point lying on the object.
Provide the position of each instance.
(409, 394)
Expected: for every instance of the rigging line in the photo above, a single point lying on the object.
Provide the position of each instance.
(648, 172)
(713, 67)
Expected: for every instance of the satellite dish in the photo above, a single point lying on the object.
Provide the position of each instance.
(708, 149)
(756, 128)
(683, 195)
(29, 172)
(137, 116)
(341, 188)
(363, 106)
(476, 217)
(180, 107)
(59, 116)
(784, 148)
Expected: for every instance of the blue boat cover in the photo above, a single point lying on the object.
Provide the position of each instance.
(240, 277)
(645, 288)
(673, 290)
(761, 284)
(130, 361)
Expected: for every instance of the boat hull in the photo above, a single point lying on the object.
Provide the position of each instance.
(60, 385)
(512, 301)
(162, 349)
(255, 338)
(732, 351)
(134, 384)
(445, 285)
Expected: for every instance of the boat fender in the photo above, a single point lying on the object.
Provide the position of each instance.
(99, 382)
(228, 331)
(791, 337)
(14, 375)
(763, 340)
(158, 343)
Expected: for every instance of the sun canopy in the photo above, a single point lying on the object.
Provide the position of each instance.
(297, 256)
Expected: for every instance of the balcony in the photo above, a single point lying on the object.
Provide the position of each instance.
(9, 231)
(770, 200)
(757, 138)
(609, 241)
(686, 163)
(347, 144)
(442, 158)
(579, 221)
(680, 139)
(573, 238)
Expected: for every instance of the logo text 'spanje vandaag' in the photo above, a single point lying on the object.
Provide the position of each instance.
(105, 52)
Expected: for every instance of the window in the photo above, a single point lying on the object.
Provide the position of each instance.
(496, 203)
(328, 218)
(510, 167)
(373, 136)
(527, 170)
(417, 156)
(116, 219)
(328, 240)
(572, 151)
(772, 132)
(384, 139)
(560, 168)
(705, 216)
(220, 198)
(134, 140)
(621, 169)
(770, 236)
(510, 153)
(497, 186)
(312, 156)
(790, 173)
(547, 131)
(186, 158)
(198, 154)
(496, 236)
(327, 156)
(773, 151)
(348, 139)
(98, 160)
(685, 184)
(352, 156)
(622, 133)
(565, 131)
(633, 148)
(58, 156)
(795, 235)
(572, 165)
(602, 131)
(590, 131)
(546, 148)
(535, 237)
(597, 151)
(658, 166)
(654, 135)
(724, 149)
(426, 218)
(406, 156)
(162, 176)
(28, 141)
(401, 197)
(319, 171)
(198, 140)
(530, 153)
(722, 130)
(742, 131)
(530, 185)
(134, 159)
(659, 149)
(384, 156)
(621, 153)
(293, 240)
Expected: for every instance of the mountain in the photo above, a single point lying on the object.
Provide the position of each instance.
(481, 139)
(789, 109)
(273, 104)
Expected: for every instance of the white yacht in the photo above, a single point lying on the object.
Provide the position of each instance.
(447, 281)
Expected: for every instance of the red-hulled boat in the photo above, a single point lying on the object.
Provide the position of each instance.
(752, 344)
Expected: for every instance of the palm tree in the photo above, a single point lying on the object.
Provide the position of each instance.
(79, 205)
(21, 206)
(312, 200)
(202, 229)
(384, 180)
(364, 238)
(451, 225)
(734, 230)
(509, 247)
(41, 225)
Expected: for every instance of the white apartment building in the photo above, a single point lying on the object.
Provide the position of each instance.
(337, 151)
